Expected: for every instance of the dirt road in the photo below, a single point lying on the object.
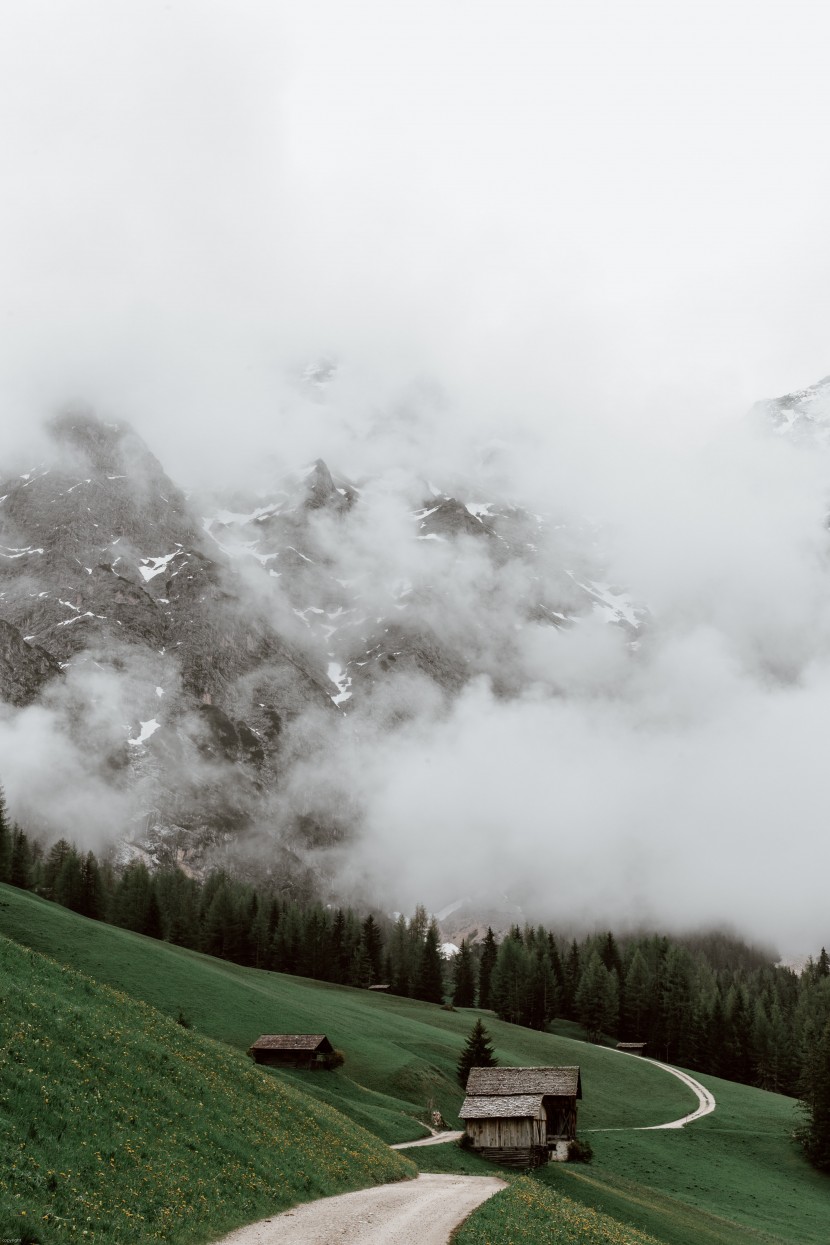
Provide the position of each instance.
(437, 1139)
(411, 1212)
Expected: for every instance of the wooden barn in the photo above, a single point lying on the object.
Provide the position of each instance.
(311, 1051)
(631, 1048)
(521, 1117)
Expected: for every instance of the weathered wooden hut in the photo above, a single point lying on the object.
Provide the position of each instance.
(311, 1051)
(521, 1116)
(631, 1048)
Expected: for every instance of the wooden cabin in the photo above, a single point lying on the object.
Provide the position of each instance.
(521, 1117)
(311, 1051)
(631, 1048)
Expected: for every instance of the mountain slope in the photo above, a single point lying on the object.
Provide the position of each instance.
(117, 1124)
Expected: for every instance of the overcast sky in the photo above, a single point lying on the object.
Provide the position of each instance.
(597, 232)
(594, 213)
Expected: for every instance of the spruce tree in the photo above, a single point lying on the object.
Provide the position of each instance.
(815, 1136)
(21, 863)
(429, 982)
(489, 955)
(465, 981)
(5, 841)
(477, 1053)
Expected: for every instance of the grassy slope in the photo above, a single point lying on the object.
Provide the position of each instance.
(735, 1167)
(530, 1211)
(733, 1178)
(399, 1053)
(116, 1124)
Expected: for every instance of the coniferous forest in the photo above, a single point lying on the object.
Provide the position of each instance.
(707, 1001)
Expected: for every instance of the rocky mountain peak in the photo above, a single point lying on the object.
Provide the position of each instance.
(803, 415)
(104, 448)
(322, 492)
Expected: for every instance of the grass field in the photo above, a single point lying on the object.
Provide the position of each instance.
(736, 1171)
(117, 1125)
(400, 1054)
(732, 1178)
(529, 1211)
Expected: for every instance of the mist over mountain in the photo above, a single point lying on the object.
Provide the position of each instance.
(379, 687)
(404, 528)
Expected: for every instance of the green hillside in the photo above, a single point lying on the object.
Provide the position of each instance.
(117, 1124)
(732, 1178)
(400, 1054)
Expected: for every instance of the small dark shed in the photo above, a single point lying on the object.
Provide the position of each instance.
(631, 1048)
(293, 1050)
(521, 1116)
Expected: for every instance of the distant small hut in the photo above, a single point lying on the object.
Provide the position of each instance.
(521, 1117)
(310, 1051)
(631, 1048)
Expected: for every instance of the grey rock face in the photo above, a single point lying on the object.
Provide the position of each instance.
(232, 644)
(24, 668)
(803, 416)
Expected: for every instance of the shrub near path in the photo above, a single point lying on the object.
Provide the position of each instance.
(118, 1125)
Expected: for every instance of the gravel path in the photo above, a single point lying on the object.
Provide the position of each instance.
(705, 1099)
(437, 1139)
(410, 1212)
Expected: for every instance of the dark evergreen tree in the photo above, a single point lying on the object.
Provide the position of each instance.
(373, 946)
(21, 862)
(573, 973)
(477, 1053)
(637, 994)
(92, 898)
(5, 841)
(510, 981)
(815, 1135)
(465, 981)
(597, 998)
(489, 955)
(429, 981)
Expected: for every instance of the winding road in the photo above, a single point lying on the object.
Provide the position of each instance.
(423, 1211)
(411, 1212)
(705, 1099)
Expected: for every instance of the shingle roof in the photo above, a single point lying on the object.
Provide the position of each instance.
(558, 1082)
(630, 1045)
(501, 1106)
(292, 1041)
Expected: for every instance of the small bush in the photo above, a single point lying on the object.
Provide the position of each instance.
(183, 1020)
(335, 1060)
(465, 1142)
(580, 1151)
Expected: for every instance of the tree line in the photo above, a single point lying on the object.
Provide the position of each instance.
(709, 1002)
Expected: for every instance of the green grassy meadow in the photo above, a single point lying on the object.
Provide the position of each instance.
(400, 1054)
(533, 1212)
(117, 1124)
(732, 1178)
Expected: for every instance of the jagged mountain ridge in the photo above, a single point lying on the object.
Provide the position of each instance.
(802, 416)
(218, 632)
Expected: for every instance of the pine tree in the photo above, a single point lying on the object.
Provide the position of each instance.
(510, 981)
(429, 982)
(637, 992)
(5, 841)
(597, 998)
(815, 1136)
(489, 955)
(477, 1053)
(373, 944)
(573, 973)
(21, 862)
(465, 981)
